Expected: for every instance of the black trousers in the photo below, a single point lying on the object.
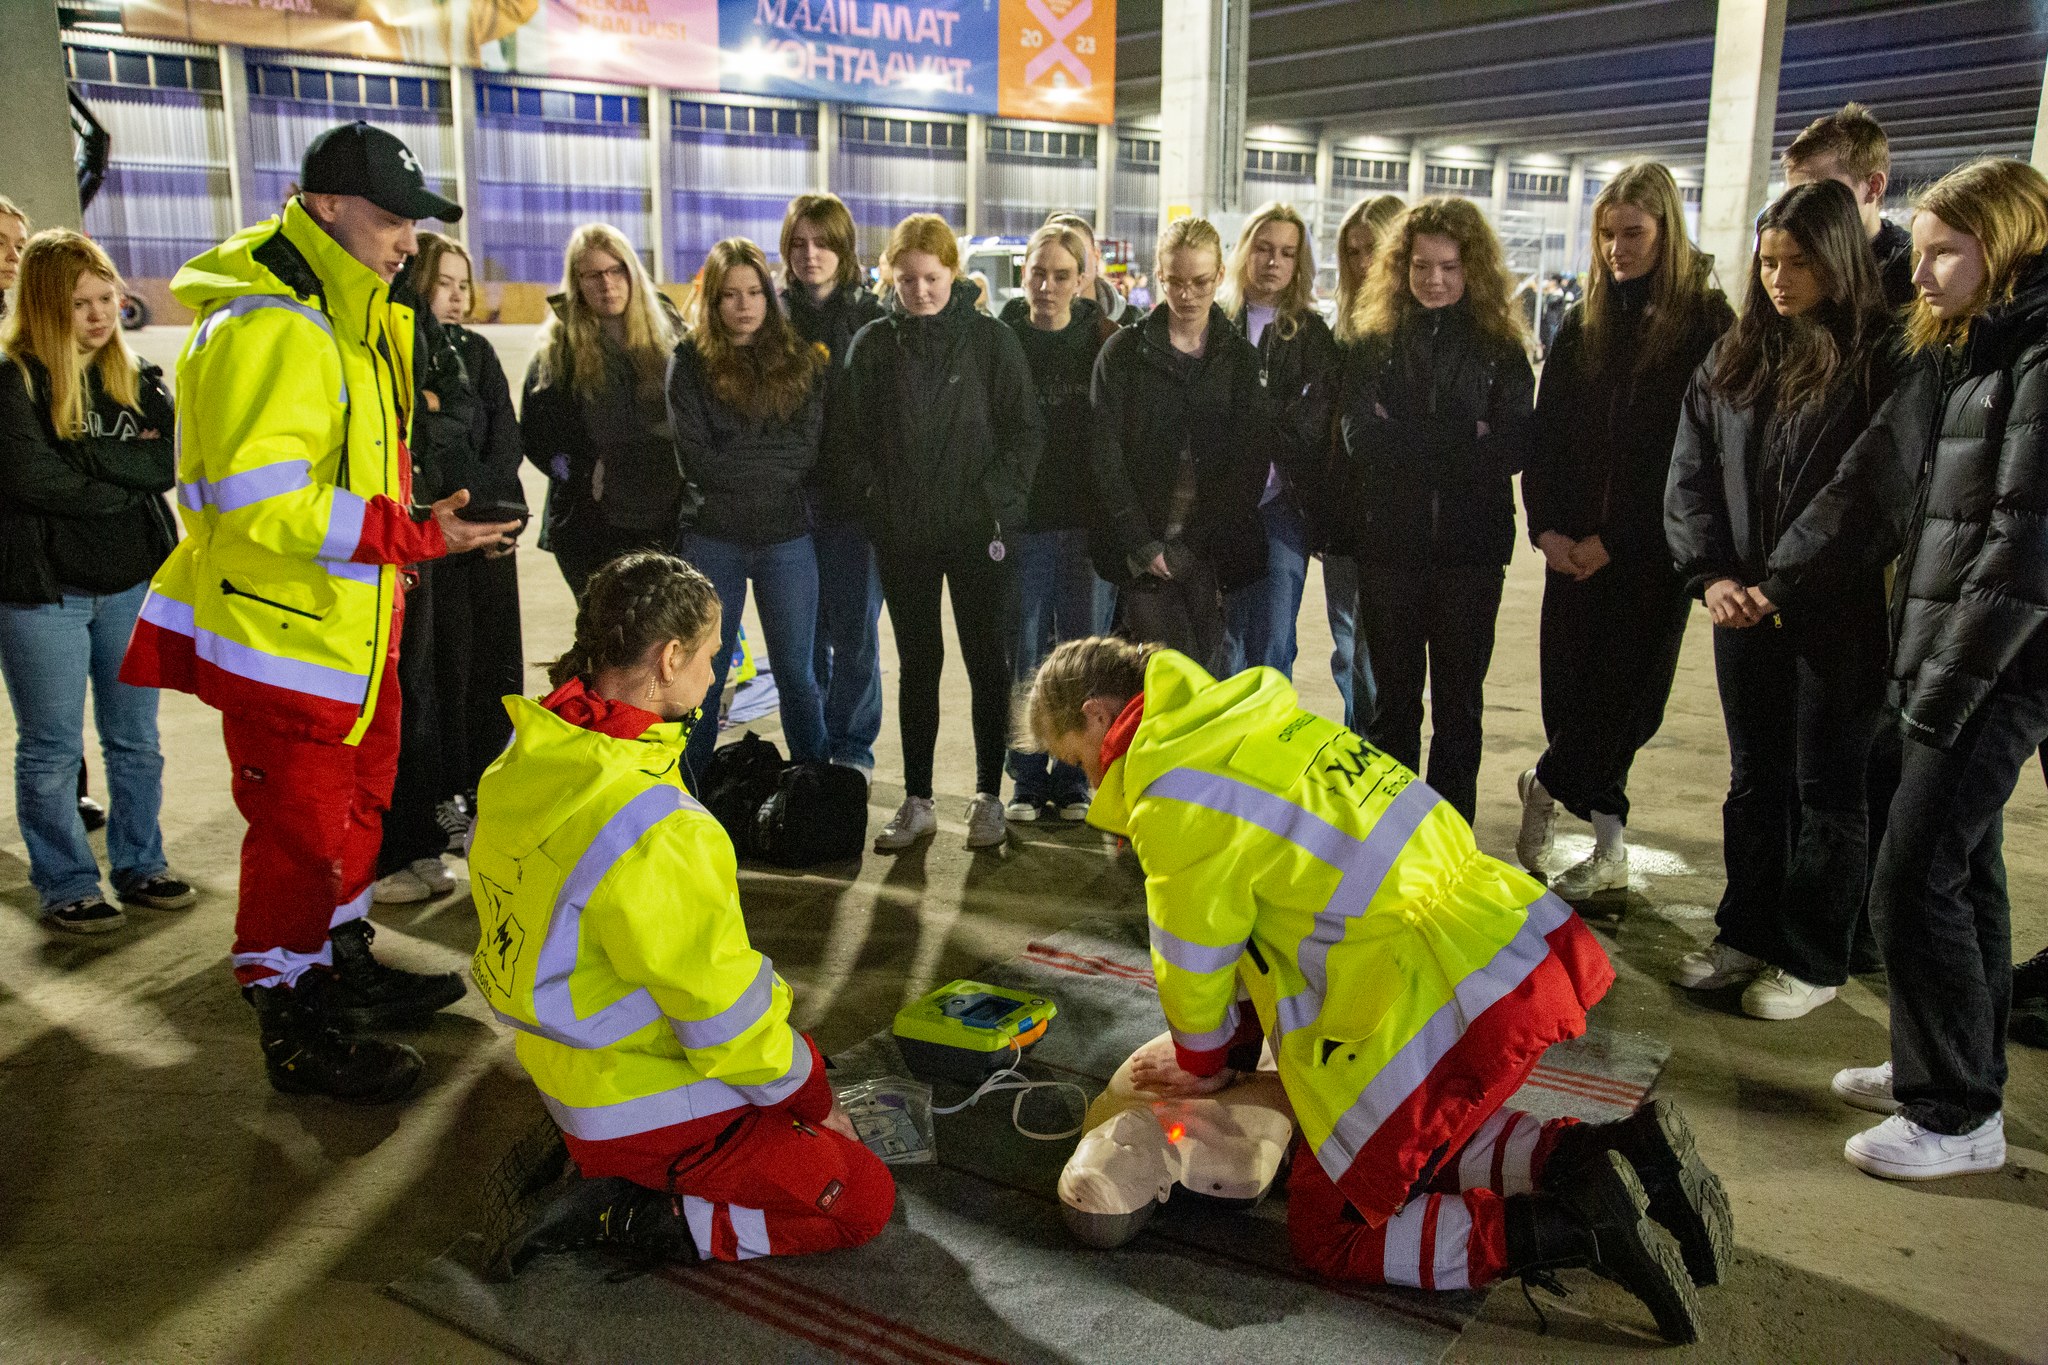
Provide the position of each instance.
(1184, 612)
(1609, 652)
(1433, 623)
(1802, 702)
(410, 831)
(479, 660)
(581, 548)
(1940, 910)
(981, 589)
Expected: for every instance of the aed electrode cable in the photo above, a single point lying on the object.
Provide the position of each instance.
(1023, 1085)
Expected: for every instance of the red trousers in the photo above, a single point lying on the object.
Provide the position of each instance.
(769, 1185)
(316, 821)
(1451, 1235)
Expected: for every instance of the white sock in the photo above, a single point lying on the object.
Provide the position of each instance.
(1607, 836)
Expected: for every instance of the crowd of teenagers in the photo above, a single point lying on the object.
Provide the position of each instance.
(1121, 505)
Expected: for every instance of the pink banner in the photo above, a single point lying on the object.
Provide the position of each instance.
(672, 43)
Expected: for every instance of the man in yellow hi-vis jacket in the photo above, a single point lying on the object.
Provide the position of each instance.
(1305, 889)
(282, 606)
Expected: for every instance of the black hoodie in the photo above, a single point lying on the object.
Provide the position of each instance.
(938, 431)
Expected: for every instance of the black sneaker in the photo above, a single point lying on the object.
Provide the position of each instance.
(304, 1054)
(1601, 1222)
(2030, 978)
(612, 1213)
(88, 916)
(1685, 1196)
(92, 813)
(369, 995)
(2028, 1022)
(162, 892)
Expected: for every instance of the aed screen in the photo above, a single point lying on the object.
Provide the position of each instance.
(980, 1010)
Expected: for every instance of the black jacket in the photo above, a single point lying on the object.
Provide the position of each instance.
(86, 513)
(1843, 494)
(1893, 247)
(1602, 450)
(833, 325)
(1972, 589)
(622, 429)
(1301, 374)
(488, 462)
(939, 428)
(746, 476)
(1426, 487)
(1151, 403)
(440, 429)
(1062, 367)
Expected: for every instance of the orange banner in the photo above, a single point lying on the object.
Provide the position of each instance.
(1057, 60)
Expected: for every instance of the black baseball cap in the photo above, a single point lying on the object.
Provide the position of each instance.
(356, 158)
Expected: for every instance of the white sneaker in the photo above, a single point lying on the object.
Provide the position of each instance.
(1539, 823)
(1076, 811)
(1777, 994)
(1900, 1149)
(1021, 812)
(986, 827)
(1715, 966)
(1866, 1087)
(435, 874)
(403, 887)
(912, 821)
(1591, 876)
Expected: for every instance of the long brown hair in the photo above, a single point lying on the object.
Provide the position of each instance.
(1802, 357)
(1299, 295)
(771, 376)
(1387, 300)
(2004, 205)
(829, 215)
(1373, 217)
(41, 328)
(572, 341)
(641, 599)
(1678, 285)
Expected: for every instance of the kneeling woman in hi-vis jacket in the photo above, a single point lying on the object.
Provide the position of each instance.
(660, 1039)
(1304, 888)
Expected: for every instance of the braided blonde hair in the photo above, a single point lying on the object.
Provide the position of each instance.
(640, 600)
(1075, 672)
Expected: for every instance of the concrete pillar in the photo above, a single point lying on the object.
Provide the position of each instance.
(2040, 156)
(977, 171)
(828, 145)
(1417, 160)
(660, 203)
(36, 171)
(1327, 215)
(1105, 178)
(1500, 186)
(1203, 74)
(1576, 251)
(1742, 111)
(462, 127)
(234, 107)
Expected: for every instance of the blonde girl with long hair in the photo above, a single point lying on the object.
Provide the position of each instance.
(1614, 609)
(746, 399)
(1971, 660)
(1269, 293)
(595, 419)
(1436, 414)
(80, 549)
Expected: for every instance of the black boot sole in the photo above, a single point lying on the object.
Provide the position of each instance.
(1634, 1252)
(398, 1083)
(1685, 1197)
(414, 1012)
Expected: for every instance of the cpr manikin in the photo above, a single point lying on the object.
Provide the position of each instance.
(1138, 1147)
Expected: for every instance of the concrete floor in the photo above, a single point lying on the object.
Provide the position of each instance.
(159, 1202)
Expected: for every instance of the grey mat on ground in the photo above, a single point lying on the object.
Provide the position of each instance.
(976, 1265)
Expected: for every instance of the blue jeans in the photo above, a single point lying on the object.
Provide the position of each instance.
(785, 579)
(48, 654)
(1059, 598)
(1260, 615)
(847, 655)
(1350, 660)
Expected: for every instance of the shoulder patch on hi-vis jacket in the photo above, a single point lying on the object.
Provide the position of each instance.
(833, 1190)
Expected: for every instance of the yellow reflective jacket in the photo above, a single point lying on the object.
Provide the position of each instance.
(294, 390)
(1408, 981)
(613, 940)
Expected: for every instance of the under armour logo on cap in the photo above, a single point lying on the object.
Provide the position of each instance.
(360, 159)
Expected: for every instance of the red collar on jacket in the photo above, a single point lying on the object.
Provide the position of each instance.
(1117, 742)
(580, 706)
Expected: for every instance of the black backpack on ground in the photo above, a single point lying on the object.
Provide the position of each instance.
(738, 779)
(788, 814)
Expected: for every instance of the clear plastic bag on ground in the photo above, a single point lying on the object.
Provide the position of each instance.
(894, 1119)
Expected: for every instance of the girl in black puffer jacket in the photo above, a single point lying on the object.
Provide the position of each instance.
(1437, 408)
(746, 399)
(944, 434)
(1970, 668)
(1784, 506)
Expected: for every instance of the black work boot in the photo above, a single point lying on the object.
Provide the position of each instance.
(1685, 1196)
(306, 1055)
(373, 996)
(1601, 1222)
(611, 1213)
